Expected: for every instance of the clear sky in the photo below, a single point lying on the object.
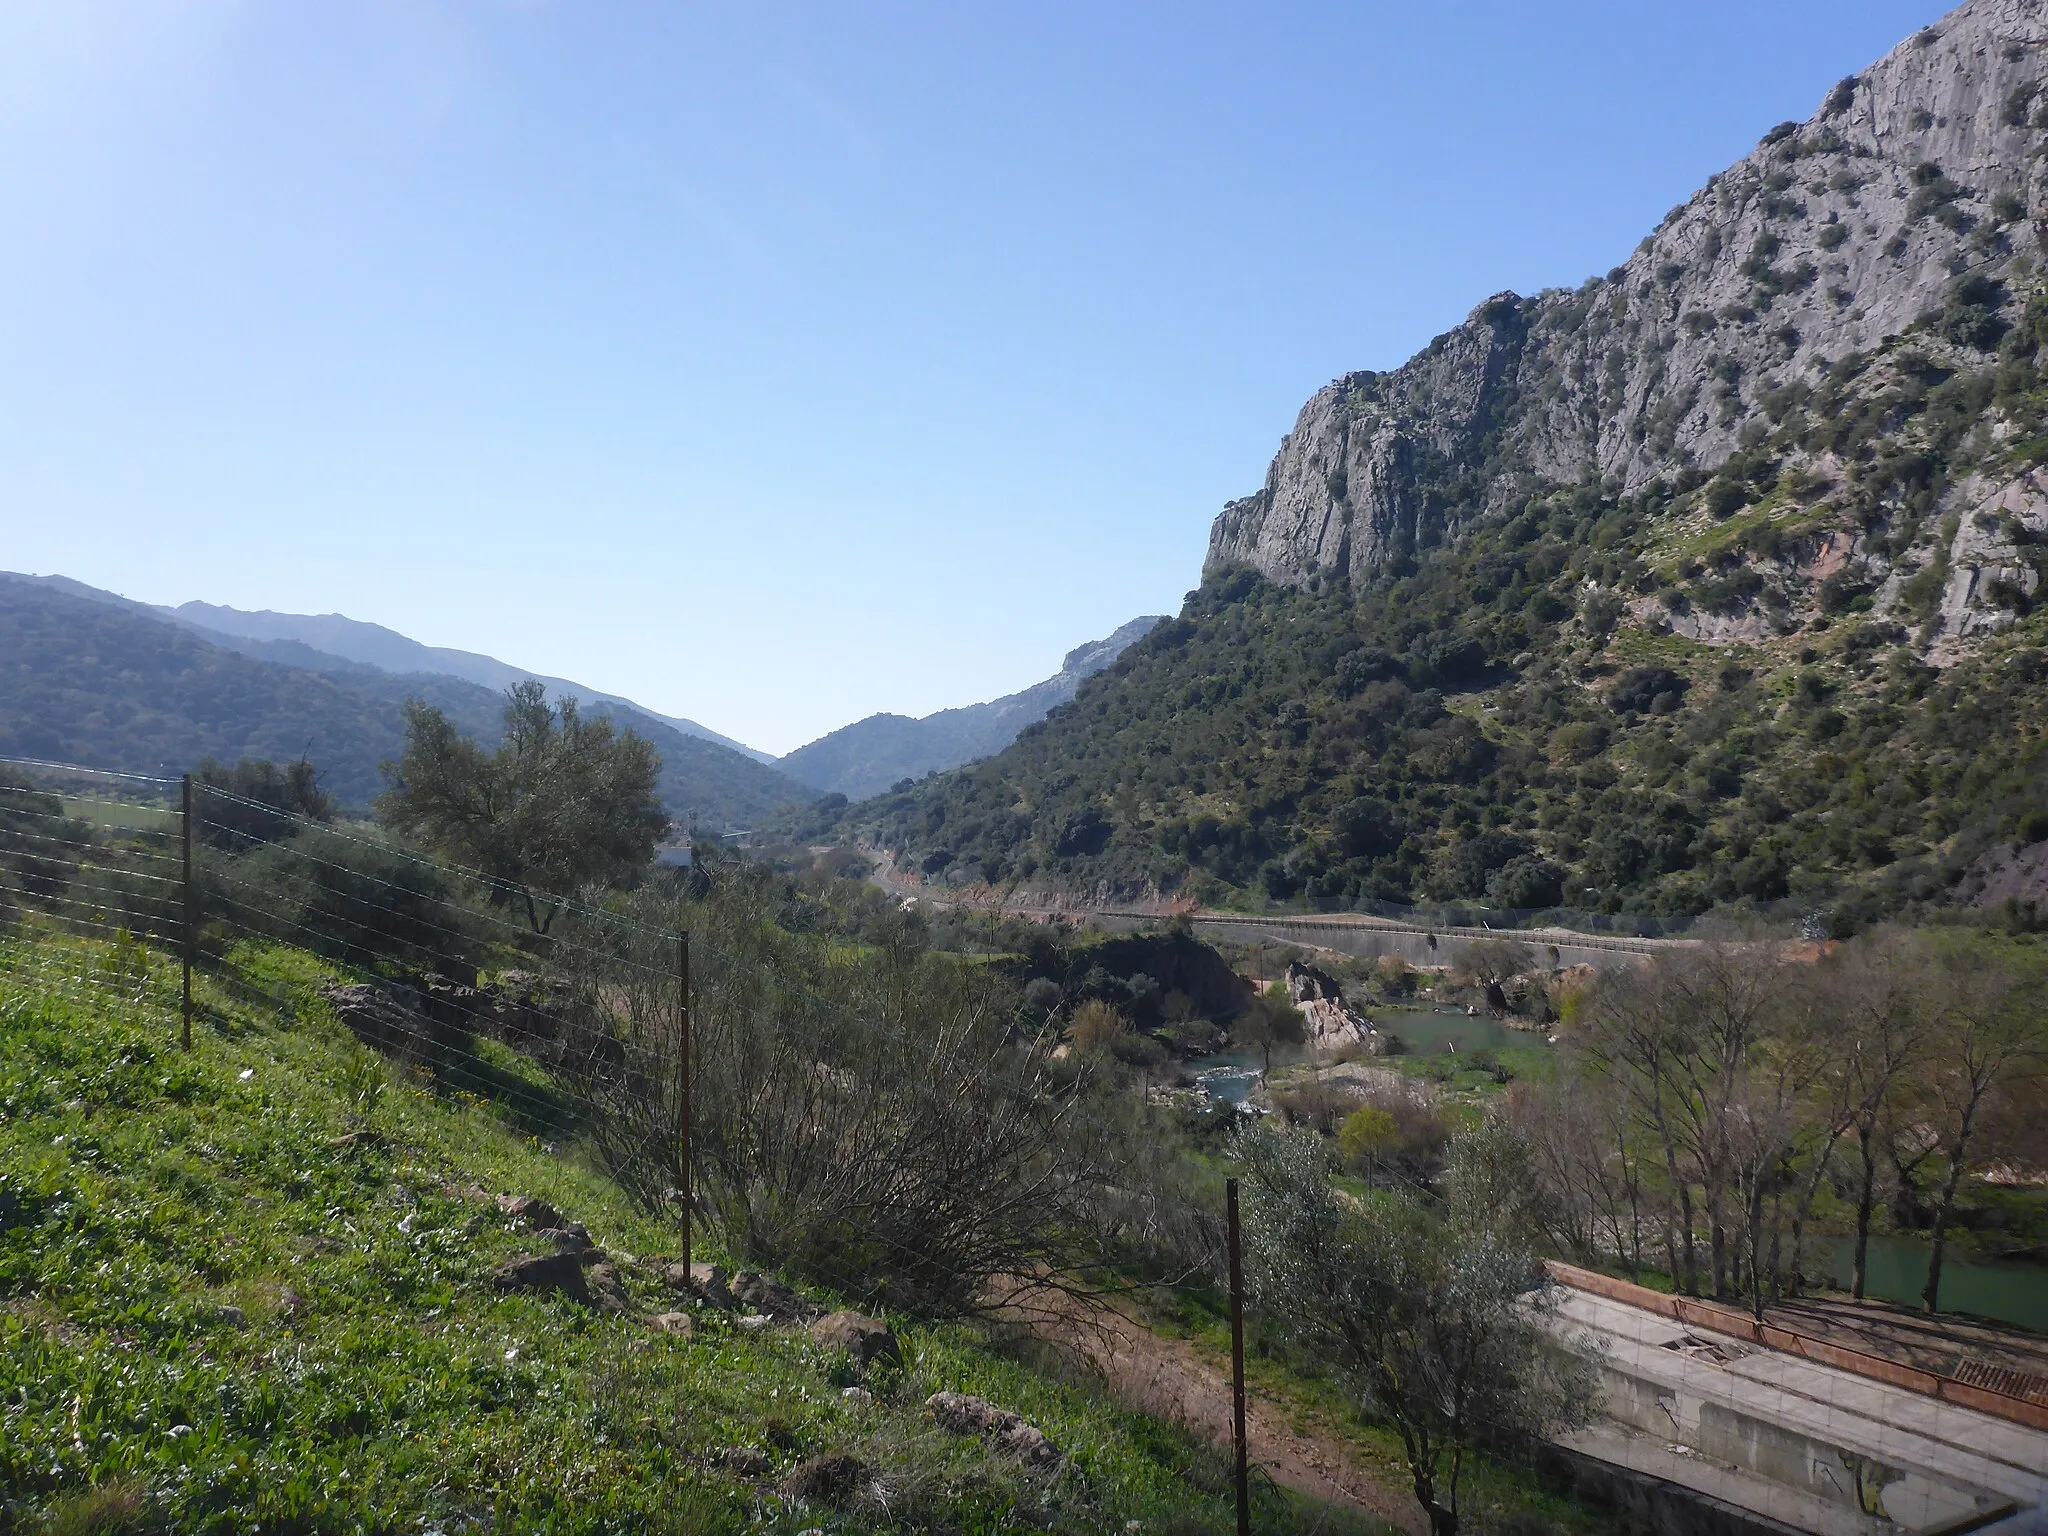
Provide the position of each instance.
(776, 363)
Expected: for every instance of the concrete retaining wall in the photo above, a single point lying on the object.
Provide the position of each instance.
(1649, 1506)
(1365, 938)
(1419, 946)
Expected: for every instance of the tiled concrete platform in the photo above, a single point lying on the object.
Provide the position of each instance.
(1802, 1445)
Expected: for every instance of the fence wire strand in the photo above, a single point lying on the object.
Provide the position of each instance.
(430, 974)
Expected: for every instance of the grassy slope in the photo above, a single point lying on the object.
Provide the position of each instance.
(377, 1381)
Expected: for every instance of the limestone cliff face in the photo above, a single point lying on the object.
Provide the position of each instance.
(1833, 237)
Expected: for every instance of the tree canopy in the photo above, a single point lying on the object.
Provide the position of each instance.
(564, 802)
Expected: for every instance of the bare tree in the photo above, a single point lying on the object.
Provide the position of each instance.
(1745, 1070)
(1633, 1031)
(1683, 1030)
(1880, 993)
(1585, 1160)
(1984, 1034)
(1775, 1131)
(1490, 964)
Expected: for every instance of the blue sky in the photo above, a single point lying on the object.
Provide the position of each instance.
(778, 363)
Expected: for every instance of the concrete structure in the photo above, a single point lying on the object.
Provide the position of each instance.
(1766, 1441)
(1368, 938)
(1360, 935)
(1363, 937)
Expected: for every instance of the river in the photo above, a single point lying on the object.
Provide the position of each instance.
(1230, 1077)
(2007, 1293)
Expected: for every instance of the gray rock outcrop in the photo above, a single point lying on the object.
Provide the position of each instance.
(1330, 1020)
(1834, 237)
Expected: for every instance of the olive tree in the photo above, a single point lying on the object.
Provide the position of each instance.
(1434, 1317)
(1490, 964)
(564, 802)
(1270, 1019)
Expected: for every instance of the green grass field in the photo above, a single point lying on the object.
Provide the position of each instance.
(217, 1314)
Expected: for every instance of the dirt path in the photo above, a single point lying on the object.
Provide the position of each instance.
(1167, 1379)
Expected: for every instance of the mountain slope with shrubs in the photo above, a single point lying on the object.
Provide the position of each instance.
(1710, 583)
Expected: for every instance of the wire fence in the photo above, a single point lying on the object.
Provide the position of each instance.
(222, 881)
(881, 1125)
(881, 1129)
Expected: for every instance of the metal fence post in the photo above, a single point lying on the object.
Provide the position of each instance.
(1244, 1490)
(185, 822)
(683, 1086)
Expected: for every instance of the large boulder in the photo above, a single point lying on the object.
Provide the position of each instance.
(434, 1025)
(1330, 1020)
(375, 1017)
(865, 1340)
(604, 1290)
(572, 1274)
(543, 1272)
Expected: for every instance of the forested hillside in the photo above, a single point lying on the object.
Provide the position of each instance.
(89, 682)
(319, 640)
(1709, 583)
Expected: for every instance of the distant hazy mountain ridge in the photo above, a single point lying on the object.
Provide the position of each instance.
(868, 756)
(93, 678)
(375, 646)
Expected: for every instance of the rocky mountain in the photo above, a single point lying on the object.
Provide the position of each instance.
(868, 756)
(1709, 583)
(1919, 189)
(107, 683)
